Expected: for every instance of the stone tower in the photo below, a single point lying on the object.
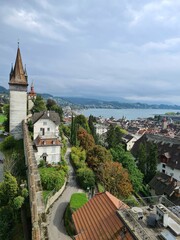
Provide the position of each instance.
(31, 98)
(18, 97)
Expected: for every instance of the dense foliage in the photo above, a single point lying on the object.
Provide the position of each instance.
(39, 104)
(6, 113)
(114, 136)
(85, 176)
(86, 140)
(11, 200)
(147, 158)
(115, 179)
(52, 178)
(76, 123)
(97, 156)
(128, 162)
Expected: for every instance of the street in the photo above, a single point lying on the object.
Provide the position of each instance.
(55, 220)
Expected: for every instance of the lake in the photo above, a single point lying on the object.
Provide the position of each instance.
(130, 114)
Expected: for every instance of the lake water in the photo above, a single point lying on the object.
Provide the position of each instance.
(130, 114)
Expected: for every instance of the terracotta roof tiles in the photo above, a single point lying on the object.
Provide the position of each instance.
(98, 219)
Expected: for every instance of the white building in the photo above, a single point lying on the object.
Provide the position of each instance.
(46, 136)
(101, 128)
(129, 140)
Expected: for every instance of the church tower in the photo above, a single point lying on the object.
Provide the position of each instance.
(18, 83)
(31, 98)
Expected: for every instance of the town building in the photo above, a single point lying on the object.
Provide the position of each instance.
(98, 219)
(106, 217)
(168, 164)
(46, 136)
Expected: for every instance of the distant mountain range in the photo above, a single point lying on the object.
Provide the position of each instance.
(77, 102)
(3, 90)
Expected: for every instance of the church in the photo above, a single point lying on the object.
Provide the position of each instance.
(46, 124)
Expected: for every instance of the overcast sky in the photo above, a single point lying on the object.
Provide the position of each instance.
(95, 48)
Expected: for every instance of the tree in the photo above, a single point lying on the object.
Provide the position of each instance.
(76, 123)
(58, 110)
(6, 113)
(116, 179)
(50, 103)
(91, 121)
(114, 136)
(85, 177)
(39, 104)
(97, 156)
(53, 106)
(147, 157)
(128, 162)
(86, 140)
(142, 158)
(52, 178)
(152, 160)
(8, 189)
(81, 121)
(11, 200)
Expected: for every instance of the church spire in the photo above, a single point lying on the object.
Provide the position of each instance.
(19, 75)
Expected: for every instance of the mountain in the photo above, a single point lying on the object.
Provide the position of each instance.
(95, 103)
(3, 90)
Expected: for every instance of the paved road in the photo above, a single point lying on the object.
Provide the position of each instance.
(55, 220)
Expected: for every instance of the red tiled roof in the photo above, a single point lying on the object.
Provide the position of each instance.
(98, 219)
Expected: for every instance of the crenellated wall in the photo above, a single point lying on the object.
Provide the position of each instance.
(38, 215)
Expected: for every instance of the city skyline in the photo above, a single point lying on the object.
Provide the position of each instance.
(95, 49)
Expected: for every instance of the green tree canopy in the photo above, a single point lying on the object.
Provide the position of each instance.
(50, 103)
(147, 158)
(97, 156)
(128, 162)
(86, 140)
(114, 136)
(6, 113)
(85, 177)
(116, 179)
(39, 104)
(91, 122)
(76, 123)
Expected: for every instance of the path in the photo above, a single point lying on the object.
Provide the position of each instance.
(55, 220)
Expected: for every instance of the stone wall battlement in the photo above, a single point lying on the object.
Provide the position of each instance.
(38, 215)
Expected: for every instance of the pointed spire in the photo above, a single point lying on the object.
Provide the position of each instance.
(32, 92)
(18, 76)
(11, 72)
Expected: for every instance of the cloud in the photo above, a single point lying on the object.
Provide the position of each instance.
(95, 48)
(167, 44)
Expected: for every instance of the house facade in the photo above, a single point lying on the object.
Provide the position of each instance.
(46, 137)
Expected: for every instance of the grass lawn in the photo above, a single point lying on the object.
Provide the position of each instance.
(78, 200)
(100, 187)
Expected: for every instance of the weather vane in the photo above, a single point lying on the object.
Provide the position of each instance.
(18, 42)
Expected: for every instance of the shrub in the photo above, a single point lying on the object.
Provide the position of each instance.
(85, 177)
(52, 178)
(8, 143)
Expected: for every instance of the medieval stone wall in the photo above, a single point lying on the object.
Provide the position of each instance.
(38, 215)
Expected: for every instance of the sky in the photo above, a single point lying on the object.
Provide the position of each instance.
(104, 49)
